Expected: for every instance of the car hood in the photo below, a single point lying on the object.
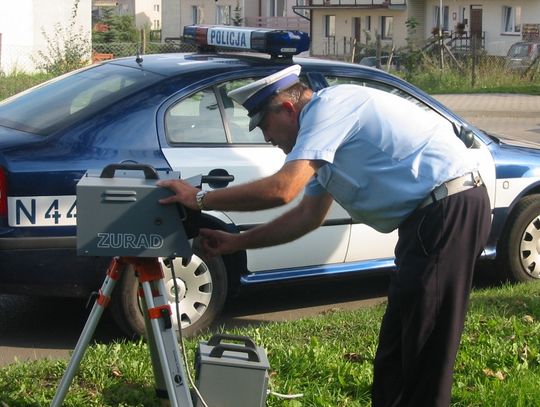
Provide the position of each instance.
(518, 142)
(516, 158)
(11, 137)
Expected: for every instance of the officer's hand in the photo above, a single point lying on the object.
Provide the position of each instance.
(216, 242)
(184, 193)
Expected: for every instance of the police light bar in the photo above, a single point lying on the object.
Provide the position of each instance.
(269, 41)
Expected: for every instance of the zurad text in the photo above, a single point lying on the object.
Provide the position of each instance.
(129, 241)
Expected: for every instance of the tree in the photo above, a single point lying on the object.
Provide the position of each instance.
(114, 28)
(237, 18)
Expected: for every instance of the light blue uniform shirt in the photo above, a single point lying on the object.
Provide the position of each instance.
(383, 154)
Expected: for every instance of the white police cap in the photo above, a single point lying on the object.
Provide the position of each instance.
(255, 95)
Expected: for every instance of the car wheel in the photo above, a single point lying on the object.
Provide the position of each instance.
(202, 291)
(520, 244)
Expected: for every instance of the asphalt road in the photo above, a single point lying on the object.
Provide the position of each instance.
(512, 115)
(36, 328)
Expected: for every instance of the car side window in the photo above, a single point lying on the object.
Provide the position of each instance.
(196, 119)
(237, 115)
(336, 80)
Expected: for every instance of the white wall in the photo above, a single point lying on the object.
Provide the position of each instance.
(344, 28)
(170, 19)
(22, 24)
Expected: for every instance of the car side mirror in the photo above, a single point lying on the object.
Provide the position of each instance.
(467, 136)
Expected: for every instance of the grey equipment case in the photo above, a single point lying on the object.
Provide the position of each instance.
(118, 214)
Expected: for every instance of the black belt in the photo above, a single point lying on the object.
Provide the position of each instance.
(459, 184)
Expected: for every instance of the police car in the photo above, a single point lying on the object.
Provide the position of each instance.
(172, 112)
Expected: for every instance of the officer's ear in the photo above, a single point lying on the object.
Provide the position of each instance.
(288, 106)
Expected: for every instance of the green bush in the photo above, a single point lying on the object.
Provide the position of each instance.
(67, 48)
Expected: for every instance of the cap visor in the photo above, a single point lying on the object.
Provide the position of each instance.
(256, 119)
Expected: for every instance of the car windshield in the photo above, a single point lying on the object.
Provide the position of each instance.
(518, 50)
(62, 101)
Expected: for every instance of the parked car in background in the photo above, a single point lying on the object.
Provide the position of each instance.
(395, 62)
(172, 112)
(522, 54)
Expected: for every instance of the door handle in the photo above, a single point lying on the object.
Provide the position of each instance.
(217, 178)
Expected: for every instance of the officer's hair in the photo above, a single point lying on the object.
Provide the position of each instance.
(299, 94)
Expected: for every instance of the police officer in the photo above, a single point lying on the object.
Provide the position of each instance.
(392, 165)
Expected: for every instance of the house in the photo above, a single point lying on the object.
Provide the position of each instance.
(252, 13)
(25, 24)
(336, 24)
(276, 14)
(176, 14)
(147, 13)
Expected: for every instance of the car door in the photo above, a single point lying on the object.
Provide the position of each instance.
(366, 243)
(207, 133)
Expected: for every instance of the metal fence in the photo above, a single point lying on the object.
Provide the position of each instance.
(461, 55)
(24, 59)
(455, 53)
(117, 50)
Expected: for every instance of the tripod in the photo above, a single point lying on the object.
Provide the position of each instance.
(167, 362)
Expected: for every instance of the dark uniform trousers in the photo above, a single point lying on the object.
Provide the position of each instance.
(427, 300)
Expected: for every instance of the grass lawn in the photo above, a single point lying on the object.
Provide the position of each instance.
(327, 358)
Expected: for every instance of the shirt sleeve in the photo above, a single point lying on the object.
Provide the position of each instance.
(324, 124)
(314, 187)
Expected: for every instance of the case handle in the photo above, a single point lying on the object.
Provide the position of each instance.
(149, 171)
(217, 352)
(217, 338)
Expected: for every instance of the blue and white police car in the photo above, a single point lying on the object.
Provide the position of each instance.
(172, 112)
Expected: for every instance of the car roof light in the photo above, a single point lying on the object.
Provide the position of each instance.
(277, 43)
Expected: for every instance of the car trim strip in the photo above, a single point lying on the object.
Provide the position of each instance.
(330, 222)
(341, 269)
(33, 243)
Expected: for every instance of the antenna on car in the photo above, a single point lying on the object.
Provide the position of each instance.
(139, 58)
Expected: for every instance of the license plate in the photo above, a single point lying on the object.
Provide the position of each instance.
(42, 211)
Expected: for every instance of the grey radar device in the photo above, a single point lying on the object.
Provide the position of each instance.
(119, 216)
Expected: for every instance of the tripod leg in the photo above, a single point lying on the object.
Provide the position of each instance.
(161, 388)
(162, 337)
(113, 274)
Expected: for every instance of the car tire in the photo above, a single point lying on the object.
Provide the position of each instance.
(520, 243)
(202, 286)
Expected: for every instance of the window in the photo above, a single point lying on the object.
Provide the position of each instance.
(156, 7)
(437, 17)
(336, 80)
(197, 15)
(356, 29)
(329, 26)
(387, 29)
(368, 23)
(209, 116)
(223, 15)
(156, 24)
(57, 104)
(236, 114)
(196, 119)
(277, 8)
(237, 117)
(304, 12)
(511, 19)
